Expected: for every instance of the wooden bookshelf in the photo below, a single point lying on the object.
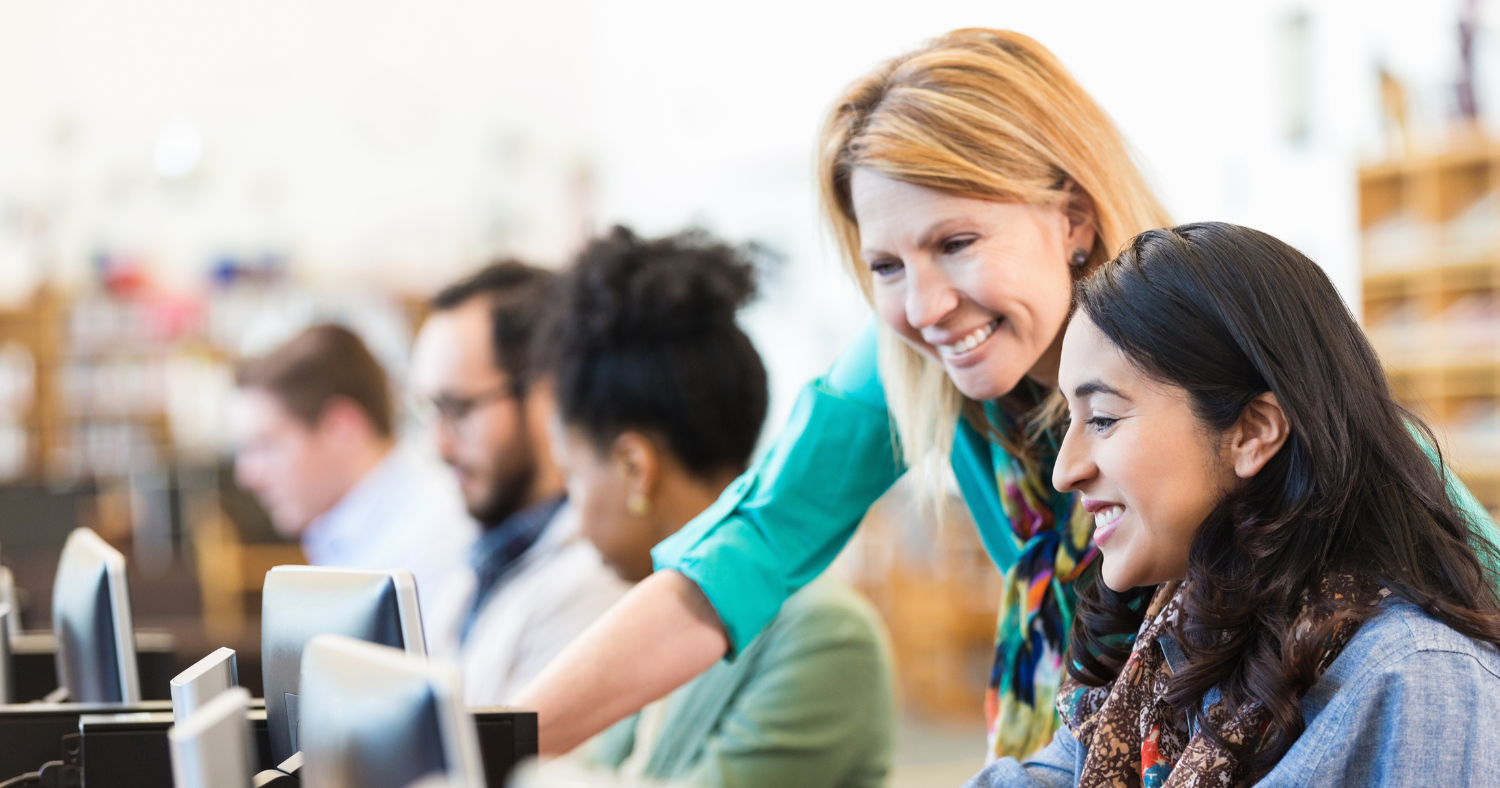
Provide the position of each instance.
(35, 327)
(938, 593)
(1430, 259)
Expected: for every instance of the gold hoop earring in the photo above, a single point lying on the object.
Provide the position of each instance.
(638, 504)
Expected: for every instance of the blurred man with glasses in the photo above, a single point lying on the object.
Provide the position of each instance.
(533, 583)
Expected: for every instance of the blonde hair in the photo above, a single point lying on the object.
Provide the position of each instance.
(979, 113)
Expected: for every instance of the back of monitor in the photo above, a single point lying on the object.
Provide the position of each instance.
(201, 683)
(211, 748)
(7, 669)
(8, 597)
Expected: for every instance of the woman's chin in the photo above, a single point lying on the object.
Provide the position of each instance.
(1118, 579)
(984, 384)
(1117, 585)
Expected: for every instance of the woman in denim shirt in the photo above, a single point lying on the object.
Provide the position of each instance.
(1287, 596)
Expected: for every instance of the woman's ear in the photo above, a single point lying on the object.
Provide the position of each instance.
(1083, 219)
(1261, 432)
(641, 462)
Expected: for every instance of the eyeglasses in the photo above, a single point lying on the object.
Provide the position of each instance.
(454, 410)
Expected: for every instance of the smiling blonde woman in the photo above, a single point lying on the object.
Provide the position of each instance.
(970, 184)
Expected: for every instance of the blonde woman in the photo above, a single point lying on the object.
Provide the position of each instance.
(970, 184)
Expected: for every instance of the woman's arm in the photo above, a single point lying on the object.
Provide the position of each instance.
(1057, 765)
(727, 572)
(660, 636)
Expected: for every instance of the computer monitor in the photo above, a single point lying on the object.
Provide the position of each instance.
(91, 620)
(374, 717)
(202, 682)
(211, 748)
(7, 670)
(301, 602)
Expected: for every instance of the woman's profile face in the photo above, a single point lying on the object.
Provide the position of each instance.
(982, 287)
(598, 484)
(1148, 469)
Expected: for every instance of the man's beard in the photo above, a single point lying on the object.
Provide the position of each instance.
(514, 477)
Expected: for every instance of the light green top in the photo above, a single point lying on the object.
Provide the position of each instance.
(783, 522)
(809, 704)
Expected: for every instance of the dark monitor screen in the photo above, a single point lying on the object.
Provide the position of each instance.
(91, 620)
(373, 717)
(299, 602)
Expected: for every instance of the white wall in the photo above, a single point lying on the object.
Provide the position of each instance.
(707, 113)
(399, 139)
(394, 143)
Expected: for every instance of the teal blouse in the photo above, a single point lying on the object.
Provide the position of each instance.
(782, 522)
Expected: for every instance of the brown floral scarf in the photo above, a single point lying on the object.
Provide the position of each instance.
(1133, 737)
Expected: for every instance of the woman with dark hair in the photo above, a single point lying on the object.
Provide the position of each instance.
(1287, 593)
(660, 398)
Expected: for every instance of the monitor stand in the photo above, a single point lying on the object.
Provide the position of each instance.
(283, 776)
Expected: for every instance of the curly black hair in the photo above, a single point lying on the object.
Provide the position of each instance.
(641, 335)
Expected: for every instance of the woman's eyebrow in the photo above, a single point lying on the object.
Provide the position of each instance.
(940, 228)
(1097, 387)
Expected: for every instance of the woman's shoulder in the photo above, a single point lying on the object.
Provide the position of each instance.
(827, 610)
(1394, 659)
(1397, 706)
(1402, 636)
(1404, 646)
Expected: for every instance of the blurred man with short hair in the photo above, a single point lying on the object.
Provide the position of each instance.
(535, 583)
(315, 442)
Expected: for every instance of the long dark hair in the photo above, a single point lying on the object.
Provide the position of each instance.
(641, 335)
(1228, 313)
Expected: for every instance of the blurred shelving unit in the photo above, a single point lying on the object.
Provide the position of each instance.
(938, 593)
(1430, 228)
(114, 404)
(30, 344)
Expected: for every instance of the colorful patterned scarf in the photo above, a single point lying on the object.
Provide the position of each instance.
(1132, 735)
(1054, 537)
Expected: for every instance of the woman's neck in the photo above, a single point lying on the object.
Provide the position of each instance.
(1044, 371)
(682, 496)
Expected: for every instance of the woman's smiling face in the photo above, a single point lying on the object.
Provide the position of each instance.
(982, 287)
(1147, 467)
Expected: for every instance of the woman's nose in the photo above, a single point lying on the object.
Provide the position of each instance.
(930, 295)
(1074, 467)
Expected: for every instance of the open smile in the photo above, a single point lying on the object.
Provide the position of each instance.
(970, 341)
(1107, 517)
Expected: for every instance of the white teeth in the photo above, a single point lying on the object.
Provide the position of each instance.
(972, 340)
(1107, 516)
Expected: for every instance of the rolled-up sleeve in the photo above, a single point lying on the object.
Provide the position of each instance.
(783, 522)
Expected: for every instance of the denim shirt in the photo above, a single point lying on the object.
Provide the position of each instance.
(1409, 702)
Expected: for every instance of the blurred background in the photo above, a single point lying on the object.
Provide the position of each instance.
(183, 183)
